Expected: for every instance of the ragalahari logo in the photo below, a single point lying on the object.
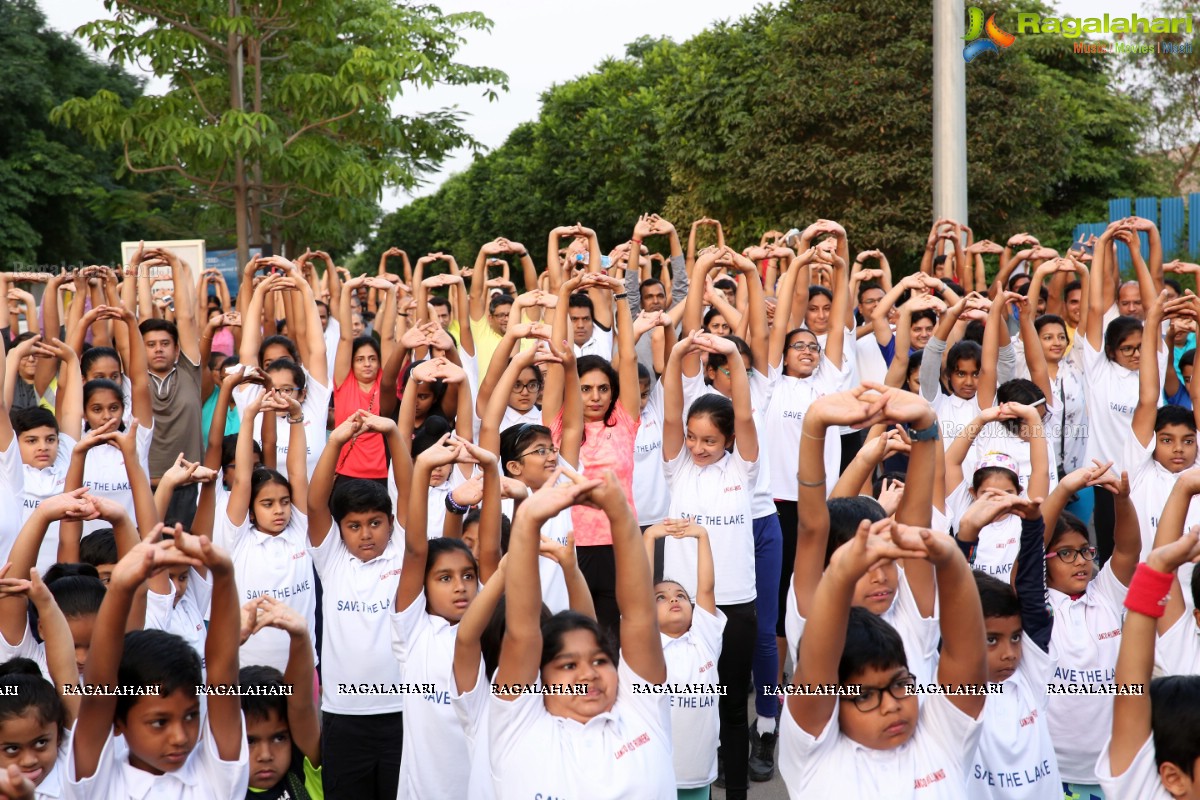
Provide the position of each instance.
(996, 40)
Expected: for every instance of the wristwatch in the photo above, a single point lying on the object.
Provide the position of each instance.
(924, 434)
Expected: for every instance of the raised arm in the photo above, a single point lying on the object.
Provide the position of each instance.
(1149, 384)
(744, 431)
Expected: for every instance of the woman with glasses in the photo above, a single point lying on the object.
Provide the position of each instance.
(1111, 360)
(1088, 608)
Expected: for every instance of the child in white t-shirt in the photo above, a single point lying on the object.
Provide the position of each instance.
(1015, 757)
(880, 738)
(1177, 650)
(264, 529)
(171, 752)
(691, 638)
(1154, 749)
(598, 699)
(439, 580)
(35, 721)
(1087, 631)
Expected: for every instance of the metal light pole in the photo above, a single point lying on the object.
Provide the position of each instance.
(949, 112)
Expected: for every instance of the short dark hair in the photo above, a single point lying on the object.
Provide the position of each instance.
(99, 548)
(94, 354)
(997, 596)
(924, 313)
(439, 301)
(1049, 319)
(293, 367)
(1172, 414)
(78, 595)
(719, 410)
(863, 288)
(1175, 721)
(1118, 330)
(1188, 359)
(428, 433)
(870, 643)
(229, 449)
(581, 300)
(161, 325)
(32, 691)
(277, 339)
(845, 515)
(717, 360)
(963, 351)
(498, 300)
(259, 706)
(357, 496)
(1018, 390)
(1072, 286)
(558, 626)
(594, 363)
(1174, 284)
(650, 282)
(153, 657)
(1067, 523)
(442, 545)
(26, 419)
(816, 289)
(515, 438)
(725, 284)
(102, 385)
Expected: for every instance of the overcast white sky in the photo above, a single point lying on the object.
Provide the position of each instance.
(588, 31)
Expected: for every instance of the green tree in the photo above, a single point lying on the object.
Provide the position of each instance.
(279, 114)
(807, 109)
(59, 201)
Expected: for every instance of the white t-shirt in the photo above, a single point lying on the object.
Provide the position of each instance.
(1177, 651)
(277, 565)
(1015, 759)
(995, 438)
(1150, 485)
(717, 497)
(651, 494)
(623, 753)
(1112, 394)
(105, 475)
(359, 677)
(423, 644)
(186, 619)
(1066, 427)
(1085, 641)
(1140, 780)
(29, 648)
(203, 776)
(316, 413)
(12, 483)
(761, 387)
(333, 335)
(51, 786)
(435, 517)
(871, 365)
(954, 415)
(471, 708)
(40, 484)
(784, 424)
(998, 542)
(932, 765)
(919, 634)
(695, 724)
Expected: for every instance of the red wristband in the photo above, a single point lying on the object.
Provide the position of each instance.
(637, 241)
(1148, 592)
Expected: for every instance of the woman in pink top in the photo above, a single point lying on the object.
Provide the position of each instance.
(357, 371)
(610, 422)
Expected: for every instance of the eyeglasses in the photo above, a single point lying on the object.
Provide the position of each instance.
(870, 697)
(286, 390)
(811, 347)
(1071, 555)
(527, 388)
(500, 317)
(540, 452)
(725, 371)
(1129, 349)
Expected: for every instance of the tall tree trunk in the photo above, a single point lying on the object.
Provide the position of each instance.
(233, 56)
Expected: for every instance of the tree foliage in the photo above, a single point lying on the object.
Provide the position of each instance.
(59, 201)
(279, 116)
(807, 109)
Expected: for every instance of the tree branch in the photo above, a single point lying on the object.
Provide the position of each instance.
(319, 124)
(182, 25)
(196, 94)
(165, 168)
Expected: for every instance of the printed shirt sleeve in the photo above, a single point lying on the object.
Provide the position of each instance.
(408, 624)
(709, 630)
(650, 707)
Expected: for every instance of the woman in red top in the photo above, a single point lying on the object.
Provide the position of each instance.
(356, 382)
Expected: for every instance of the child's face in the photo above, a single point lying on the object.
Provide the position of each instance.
(531, 468)
(272, 509)
(876, 590)
(450, 585)
(39, 446)
(887, 726)
(81, 633)
(366, 533)
(179, 579)
(644, 389)
(1175, 447)
(964, 378)
(270, 742)
(102, 406)
(674, 609)
(1003, 647)
(704, 440)
(29, 743)
(581, 660)
(439, 475)
(1069, 577)
(161, 731)
(105, 572)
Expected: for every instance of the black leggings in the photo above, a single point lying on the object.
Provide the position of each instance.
(789, 521)
(1105, 519)
(734, 670)
(599, 567)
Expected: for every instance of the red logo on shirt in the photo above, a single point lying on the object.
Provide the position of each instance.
(301, 554)
(1109, 634)
(736, 488)
(384, 576)
(630, 746)
(930, 779)
(1032, 718)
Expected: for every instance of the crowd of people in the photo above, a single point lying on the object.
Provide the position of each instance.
(660, 521)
